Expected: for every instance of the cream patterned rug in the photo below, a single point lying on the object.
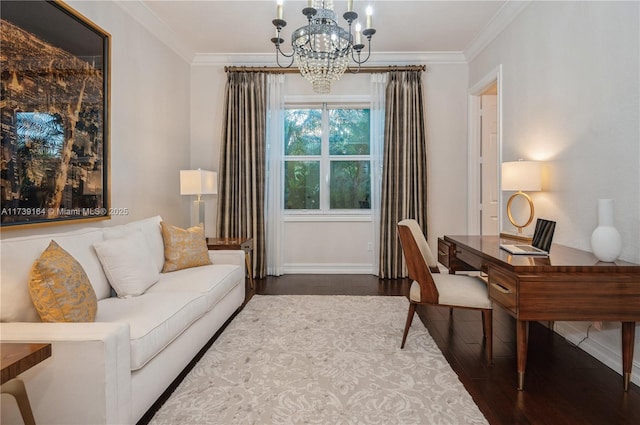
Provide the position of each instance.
(316, 359)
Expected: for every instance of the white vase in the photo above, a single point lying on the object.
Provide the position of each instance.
(606, 242)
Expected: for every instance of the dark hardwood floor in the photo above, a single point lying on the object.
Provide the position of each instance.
(564, 385)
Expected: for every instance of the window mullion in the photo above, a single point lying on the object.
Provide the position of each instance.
(324, 161)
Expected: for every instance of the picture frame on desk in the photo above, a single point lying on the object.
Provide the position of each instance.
(55, 115)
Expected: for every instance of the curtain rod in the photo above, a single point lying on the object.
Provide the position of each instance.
(295, 70)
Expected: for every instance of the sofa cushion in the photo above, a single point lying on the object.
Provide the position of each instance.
(128, 264)
(155, 320)
(214, 281)
(60, 288)
(18, 255)
(184, 248)
(150, 228)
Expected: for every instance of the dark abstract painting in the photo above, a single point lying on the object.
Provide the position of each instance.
(54, 97)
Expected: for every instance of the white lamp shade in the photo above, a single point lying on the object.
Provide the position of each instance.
(522, 175)
(198, 182)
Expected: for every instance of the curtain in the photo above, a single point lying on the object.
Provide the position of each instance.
(404, 174)
(274, 195)
(378, 87)
(242, 163)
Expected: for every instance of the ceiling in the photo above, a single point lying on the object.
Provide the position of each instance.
(244, 27)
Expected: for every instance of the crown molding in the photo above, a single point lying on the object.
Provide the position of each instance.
(149, 20)
(377, 59)
(505, 15)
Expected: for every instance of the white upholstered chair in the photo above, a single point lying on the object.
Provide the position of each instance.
(429, 286)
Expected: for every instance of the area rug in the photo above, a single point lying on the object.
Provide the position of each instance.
(314, 359)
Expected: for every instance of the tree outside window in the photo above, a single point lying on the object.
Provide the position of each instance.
(332, 143)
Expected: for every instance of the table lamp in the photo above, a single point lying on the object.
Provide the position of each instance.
(521, 176)
(198, 182)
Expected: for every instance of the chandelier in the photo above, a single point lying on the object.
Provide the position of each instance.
(322, 49)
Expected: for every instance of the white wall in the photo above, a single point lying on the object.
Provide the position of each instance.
(342, 246)
(445, 88)
(149, 122)
(571, 98)
(207, 118)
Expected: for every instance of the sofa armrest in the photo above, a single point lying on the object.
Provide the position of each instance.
(228, 256)
(87, 379)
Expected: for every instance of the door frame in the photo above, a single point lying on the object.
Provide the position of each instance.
(473, 148)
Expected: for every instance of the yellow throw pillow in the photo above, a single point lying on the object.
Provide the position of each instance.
(184, 248)
(60, 288)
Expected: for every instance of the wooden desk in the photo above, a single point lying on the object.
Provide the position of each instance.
(16, 358)
(568, 285)
(245, 244)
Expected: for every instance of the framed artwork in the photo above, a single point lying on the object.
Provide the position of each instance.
(54, 163)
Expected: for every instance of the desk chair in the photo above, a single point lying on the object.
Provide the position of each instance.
(432, 287)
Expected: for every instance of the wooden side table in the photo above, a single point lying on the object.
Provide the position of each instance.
(245, 244)
(15, 359)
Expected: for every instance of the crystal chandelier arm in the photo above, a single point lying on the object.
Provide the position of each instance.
(286, 56)
(351, 70)
(277, 40)
(358, 47)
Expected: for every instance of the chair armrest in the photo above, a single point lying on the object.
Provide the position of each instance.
(86, 380)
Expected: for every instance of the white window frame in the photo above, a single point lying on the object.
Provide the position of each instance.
(326, 103)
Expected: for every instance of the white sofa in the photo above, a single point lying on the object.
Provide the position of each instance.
(111, 371)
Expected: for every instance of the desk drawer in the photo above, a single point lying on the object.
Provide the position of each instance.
(469, 258)
(503, 289)
(444, 252)
(447, 255)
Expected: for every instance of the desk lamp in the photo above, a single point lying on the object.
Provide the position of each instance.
(198, 182)
(521, 176)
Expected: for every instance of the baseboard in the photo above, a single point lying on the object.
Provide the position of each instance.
(328, 268)
(610, 356)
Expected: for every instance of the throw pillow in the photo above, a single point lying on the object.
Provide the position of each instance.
(184, 248)
(60, 289)
(128, 264)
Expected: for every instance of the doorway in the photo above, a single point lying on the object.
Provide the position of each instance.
(485, 141)
(489, 188)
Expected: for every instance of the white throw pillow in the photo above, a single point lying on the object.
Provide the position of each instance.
(150, 228)
(128, 264)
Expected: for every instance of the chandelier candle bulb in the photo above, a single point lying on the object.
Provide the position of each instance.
(279, 13)
(358, 34)
(349, 5)
(369, 17)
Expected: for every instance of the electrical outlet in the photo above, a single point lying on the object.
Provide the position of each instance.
(370, 246)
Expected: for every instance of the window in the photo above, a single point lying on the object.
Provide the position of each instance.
(327, 159)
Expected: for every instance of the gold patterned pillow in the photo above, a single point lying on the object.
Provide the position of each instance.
(184, 248)
(60, 288)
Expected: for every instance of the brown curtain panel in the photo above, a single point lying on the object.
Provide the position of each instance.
(242, 163)
(404, 172)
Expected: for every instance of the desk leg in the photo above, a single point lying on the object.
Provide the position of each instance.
(522, 336)
(628, 337)
(247, 260)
